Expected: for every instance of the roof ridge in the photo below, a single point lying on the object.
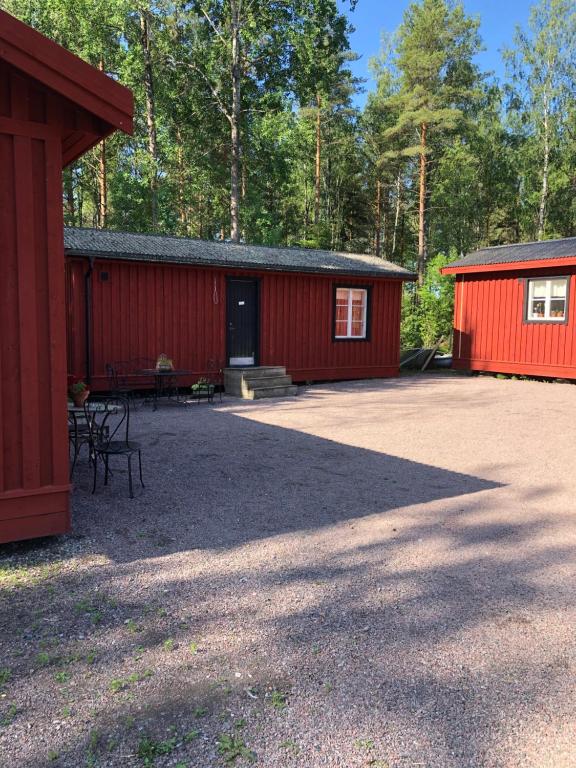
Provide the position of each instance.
(183, 238)
(518, 245)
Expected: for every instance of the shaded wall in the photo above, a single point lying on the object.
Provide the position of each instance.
(33, 426)
(139, 309)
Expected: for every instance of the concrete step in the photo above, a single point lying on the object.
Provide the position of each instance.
(254, 373)
(263, 392)
(257, 383)
(266, 381)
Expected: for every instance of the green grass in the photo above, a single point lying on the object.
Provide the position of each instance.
(278, 699)
(149, 749)
(8, 717)
(121, 684)
(5, 675)
(15, 576)
(231, 748)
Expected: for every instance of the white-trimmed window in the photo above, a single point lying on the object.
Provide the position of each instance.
(351, 313)
(547, 300)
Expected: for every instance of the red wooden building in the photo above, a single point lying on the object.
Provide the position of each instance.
(53, 107)
(320, 314)
(514, 309)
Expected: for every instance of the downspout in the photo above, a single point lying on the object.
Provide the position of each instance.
(461, 317)
(88, 318)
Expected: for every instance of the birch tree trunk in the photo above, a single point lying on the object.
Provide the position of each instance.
(235, 124)
(69, 193)
(150, 115)
(378, 220)
(545, 167)
(397, 210)
(102, 176)
(102, 186)
(318, 164)
(422, 205)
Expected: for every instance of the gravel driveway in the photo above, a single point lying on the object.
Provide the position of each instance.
(373, 574)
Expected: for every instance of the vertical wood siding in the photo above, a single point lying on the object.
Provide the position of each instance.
(490, 332)
(143, 309)
(34, 481)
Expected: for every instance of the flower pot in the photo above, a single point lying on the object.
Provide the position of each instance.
(80, 398)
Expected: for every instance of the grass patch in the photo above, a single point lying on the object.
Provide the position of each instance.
(5, 675)
(9, 715)
(149, 749)
(231, 748)
(278, 699)
(122, 683)
(16, 576)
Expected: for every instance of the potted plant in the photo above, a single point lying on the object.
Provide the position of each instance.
(203, 388)
(79, 392)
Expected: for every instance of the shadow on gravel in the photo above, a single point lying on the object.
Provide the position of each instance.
(227, 480)
(368, 639)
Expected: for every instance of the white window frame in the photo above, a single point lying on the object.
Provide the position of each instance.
(349, 335)
(548, 318)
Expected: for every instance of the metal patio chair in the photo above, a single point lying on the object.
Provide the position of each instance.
(216, 375)
(110, 437)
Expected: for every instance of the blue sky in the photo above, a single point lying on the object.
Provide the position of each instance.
(498, 20)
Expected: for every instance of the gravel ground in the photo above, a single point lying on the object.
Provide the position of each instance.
(373, 574)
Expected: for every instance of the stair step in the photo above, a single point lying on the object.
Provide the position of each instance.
(257, 383)
(255, 373)
(267, 381)
(263, 392)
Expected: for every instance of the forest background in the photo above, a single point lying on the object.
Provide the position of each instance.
(248, 129)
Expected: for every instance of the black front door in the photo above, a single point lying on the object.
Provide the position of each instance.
(242, 321)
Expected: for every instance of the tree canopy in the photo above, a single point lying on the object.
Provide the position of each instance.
(247, 127)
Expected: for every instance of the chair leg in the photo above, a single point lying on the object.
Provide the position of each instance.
(74, 459)
(130, 476)
(95, 462)
(140, 468)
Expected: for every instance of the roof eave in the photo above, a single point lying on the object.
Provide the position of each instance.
(510, 266)
(408, 276)
(52, 65)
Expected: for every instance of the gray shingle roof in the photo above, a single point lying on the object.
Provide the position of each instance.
(105, 243)
(504, 254)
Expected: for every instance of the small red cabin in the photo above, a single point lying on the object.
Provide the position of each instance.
(53, 107)
(322, 315)
(514, 309)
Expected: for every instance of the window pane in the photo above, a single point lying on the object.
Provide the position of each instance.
(358, 329)
(538, 289)
(341, 328)
(558, 289)
(342, 295)
(557, 308)
(341, 313)
(538, 308)
(357, 313)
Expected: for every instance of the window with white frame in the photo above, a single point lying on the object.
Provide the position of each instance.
(351, 313)
(547, 300)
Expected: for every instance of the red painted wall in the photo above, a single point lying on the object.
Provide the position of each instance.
(490, 333)
(41, 129)
(143, 309)
(33, 435)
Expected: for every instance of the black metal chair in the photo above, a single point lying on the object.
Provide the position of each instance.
(79, 434)
(216, 375)
(117, 374)
(110, 437)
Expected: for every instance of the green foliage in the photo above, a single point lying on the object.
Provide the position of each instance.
(231, 747)
(428, 311)
(499, 157)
